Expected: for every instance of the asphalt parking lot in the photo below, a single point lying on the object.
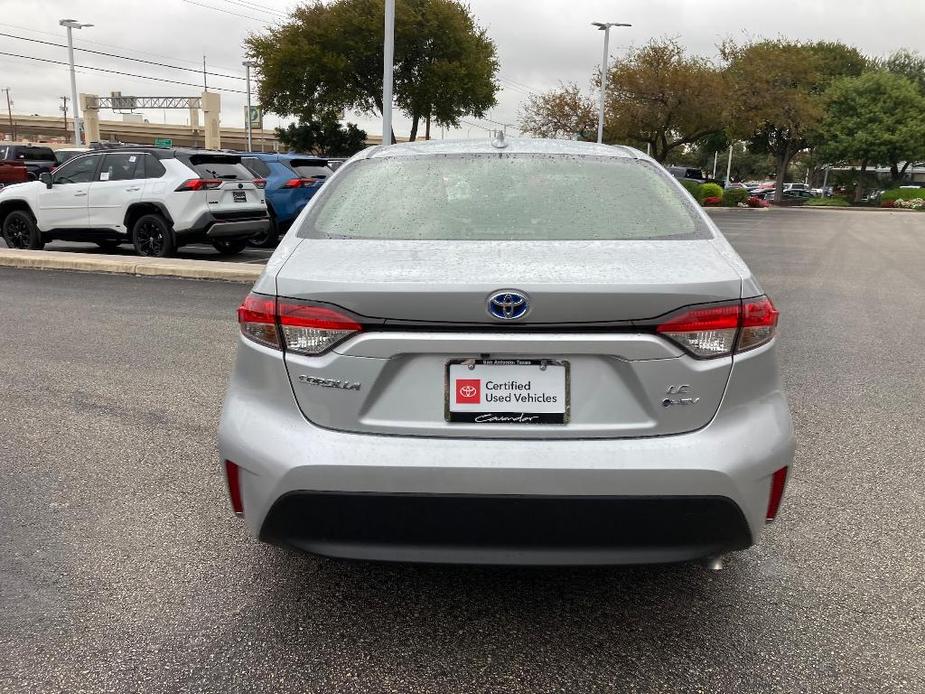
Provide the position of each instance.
(123, 570)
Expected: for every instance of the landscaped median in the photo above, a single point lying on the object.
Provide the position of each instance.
(130, 265)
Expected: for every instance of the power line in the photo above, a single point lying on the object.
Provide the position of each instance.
(219, 9)
(122, 57)
(118, 72)
(109, 45)
(255, 6)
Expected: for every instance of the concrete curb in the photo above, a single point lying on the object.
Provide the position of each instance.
(128, 265)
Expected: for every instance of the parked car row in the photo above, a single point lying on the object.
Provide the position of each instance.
(157, 199)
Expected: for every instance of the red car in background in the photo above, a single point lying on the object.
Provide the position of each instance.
(13, 172)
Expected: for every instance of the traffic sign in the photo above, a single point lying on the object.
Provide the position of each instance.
(163, 142)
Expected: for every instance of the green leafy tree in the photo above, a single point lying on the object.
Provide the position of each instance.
(561, 113)
(323, 136)
(328, 57)
(776, 93)
(873, 119)
(909, 64)
(661, 97)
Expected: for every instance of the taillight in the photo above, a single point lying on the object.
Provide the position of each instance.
(718, 330)
(198, 184)
(300, 328)
(759, 323)
(778, 482)
(300, 183)
(233, 477)
(261, 183)
(313, 329)
(257, 317)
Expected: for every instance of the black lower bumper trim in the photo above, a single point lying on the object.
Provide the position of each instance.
(616, 529)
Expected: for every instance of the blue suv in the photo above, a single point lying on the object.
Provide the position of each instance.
(292, 180)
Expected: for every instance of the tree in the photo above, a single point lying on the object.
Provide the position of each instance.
(328, 57)
(324, 136)
(875, 118)
(907, 63)
(776, 90)
(660, 97)
(561, 113)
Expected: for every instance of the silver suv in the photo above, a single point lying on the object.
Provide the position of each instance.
(510, 352)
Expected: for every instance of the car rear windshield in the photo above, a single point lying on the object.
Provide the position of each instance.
(310, 168)
(223, 168)
(503, 197)
(33, 153)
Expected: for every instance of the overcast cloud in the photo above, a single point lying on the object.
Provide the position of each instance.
(540, 42)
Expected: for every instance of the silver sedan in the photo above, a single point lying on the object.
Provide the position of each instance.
(509, 351)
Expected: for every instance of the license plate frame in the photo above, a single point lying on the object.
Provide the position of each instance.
(238, 196)
(505, 415)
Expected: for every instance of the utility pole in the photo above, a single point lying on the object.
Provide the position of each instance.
(64, 109)
(9, 112)
(72, 24)
(605, 27)
(729, 165)
(715, 162)
(388, 57)
(205, 86)
(248, 64)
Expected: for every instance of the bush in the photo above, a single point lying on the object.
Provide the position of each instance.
(914, 204)
(902, 194)
(755, 201)
(712, 201)
(711, 190)
(829, 202)
(694, 189)
(733, 196)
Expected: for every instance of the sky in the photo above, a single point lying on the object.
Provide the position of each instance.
(540, 44)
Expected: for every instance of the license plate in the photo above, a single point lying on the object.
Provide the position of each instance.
(239, 196)
(507, 391)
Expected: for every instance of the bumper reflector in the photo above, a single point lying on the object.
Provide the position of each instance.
(778, 482)
(233, 476)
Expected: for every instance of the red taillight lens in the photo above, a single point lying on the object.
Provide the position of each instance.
(198, 184)
(313, 329)
(233, 477)
(705, 332)
(301, 328)
(300, 183)
(778, 482)
(710, 331)
(261, 183)
(759, 323)
(257, 317)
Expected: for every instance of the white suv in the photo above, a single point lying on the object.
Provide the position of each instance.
(157, 199)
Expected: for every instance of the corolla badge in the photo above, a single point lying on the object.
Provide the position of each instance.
(508, 304)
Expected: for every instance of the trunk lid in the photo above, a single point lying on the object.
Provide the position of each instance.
(426, 305)
(568, 282)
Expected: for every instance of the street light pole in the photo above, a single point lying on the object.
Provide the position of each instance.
(729, 165)
(72, 24)
(605, 27)
(248, 64)
(388, 58)
(9, 112)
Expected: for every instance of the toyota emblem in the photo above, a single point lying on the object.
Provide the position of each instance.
(508, 304)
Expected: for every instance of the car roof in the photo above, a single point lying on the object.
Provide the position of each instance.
(281, 156)
(518, 145)
(163, 152)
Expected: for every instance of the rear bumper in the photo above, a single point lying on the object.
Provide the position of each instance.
(208, 228)
(508, 529)
(296, 477)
